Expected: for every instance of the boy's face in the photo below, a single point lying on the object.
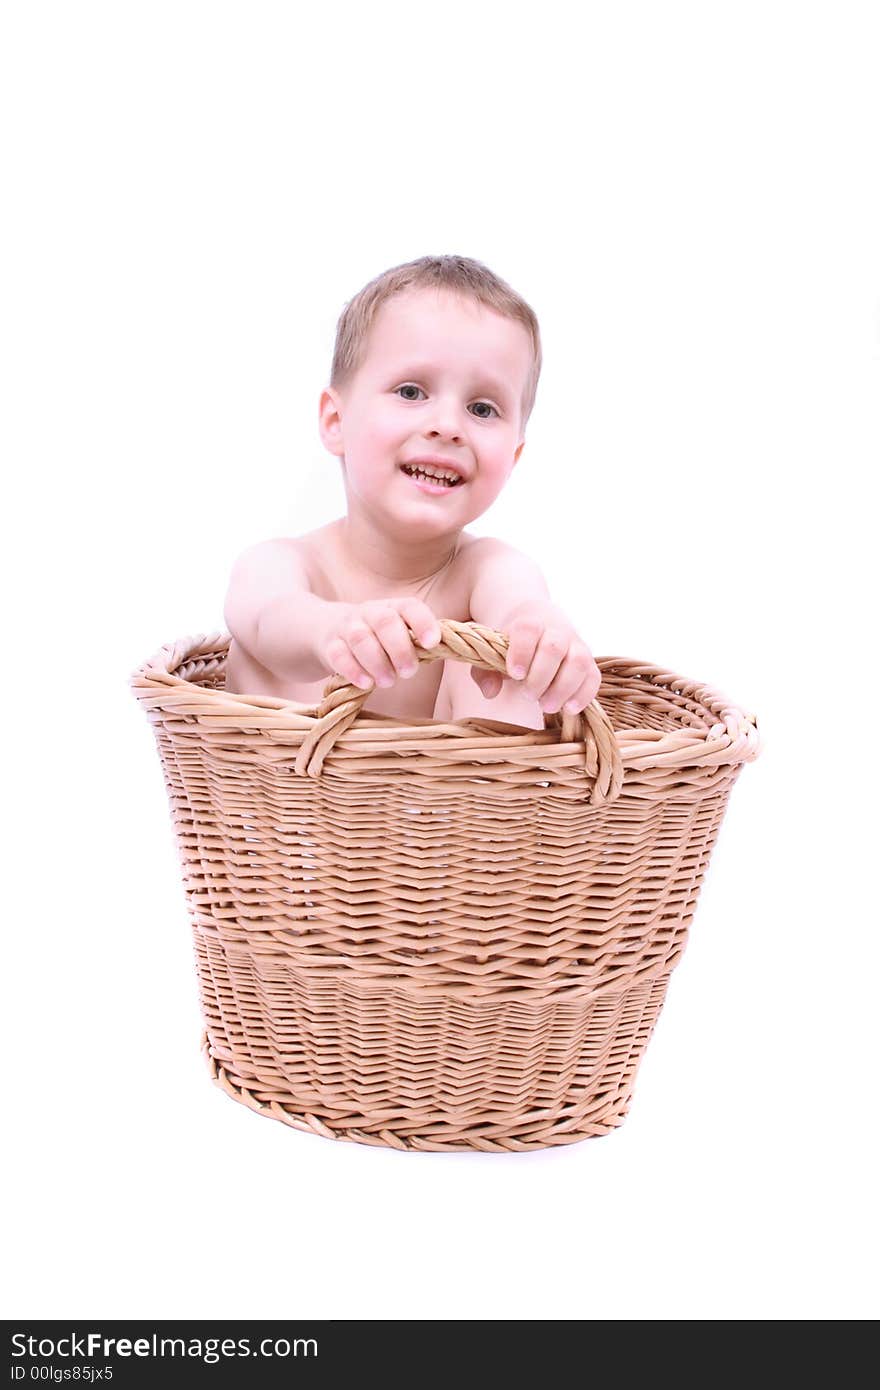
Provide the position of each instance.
(443, 377)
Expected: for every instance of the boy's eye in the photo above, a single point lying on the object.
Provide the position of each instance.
(410, 386)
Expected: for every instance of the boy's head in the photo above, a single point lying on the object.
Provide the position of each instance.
(436, 359)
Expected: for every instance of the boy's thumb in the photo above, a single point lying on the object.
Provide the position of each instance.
(490, 682)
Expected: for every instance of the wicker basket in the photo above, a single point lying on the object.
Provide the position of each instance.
(438, 936)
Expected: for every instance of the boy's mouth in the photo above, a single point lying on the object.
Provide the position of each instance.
(430, 480)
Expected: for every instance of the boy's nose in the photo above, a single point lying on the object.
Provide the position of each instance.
(445, 420)
(446, 425)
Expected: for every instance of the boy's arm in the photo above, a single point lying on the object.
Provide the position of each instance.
(271, 611)
(504, 578)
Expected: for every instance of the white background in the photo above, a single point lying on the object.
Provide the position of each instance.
(687, 195)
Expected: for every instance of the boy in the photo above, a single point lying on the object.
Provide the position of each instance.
(419, 351)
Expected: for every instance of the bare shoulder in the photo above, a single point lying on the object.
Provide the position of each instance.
(259, 572)
(493, 563)
(483, 548)
(478, 551)
(277, 560)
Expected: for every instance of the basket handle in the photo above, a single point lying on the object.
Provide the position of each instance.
(478, 646)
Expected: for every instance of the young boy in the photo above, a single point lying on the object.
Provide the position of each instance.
(434, 376)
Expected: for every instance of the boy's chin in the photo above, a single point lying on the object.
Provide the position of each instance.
(410, 523)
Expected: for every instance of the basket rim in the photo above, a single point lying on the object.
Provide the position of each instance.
(732, 738)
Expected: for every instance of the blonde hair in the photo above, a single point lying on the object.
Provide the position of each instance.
(459, 275)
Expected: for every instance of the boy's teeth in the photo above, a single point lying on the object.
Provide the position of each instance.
(430, 477)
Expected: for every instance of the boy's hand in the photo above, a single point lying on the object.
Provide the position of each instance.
(547, 658)
(372, 642)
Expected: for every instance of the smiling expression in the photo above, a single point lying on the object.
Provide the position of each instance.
(442, 379)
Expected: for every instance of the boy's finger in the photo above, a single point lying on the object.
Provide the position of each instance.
(430, 636)
(517, 661)
(520, 654)
(548, 664)
(356, 675)
(421, 621)
(584, 696)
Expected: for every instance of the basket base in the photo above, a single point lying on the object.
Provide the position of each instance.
(540, 1130)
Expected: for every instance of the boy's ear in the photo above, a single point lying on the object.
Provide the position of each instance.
(330, 422)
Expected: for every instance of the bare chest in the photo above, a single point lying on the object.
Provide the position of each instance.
(448, 597)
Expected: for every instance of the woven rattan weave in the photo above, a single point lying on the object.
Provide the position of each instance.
(438, 936)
